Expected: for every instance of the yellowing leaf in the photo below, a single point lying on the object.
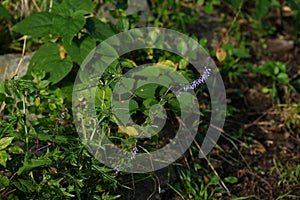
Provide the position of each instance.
(221, 54)
(225, 40)
(4, 142)
(62, 52)
(129, 130)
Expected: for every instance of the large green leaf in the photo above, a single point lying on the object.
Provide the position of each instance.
(68, 26)
(79, 49)
(4, 142)
(262, 8)
(47, 58)
(146, 91)
(38, 24)
(98, 29)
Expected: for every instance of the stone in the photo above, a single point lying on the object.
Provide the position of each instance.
(9, 64)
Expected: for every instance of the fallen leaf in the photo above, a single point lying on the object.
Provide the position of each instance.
(129, 130)
(221, 54)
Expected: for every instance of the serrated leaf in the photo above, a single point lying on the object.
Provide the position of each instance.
(221, 54)
(68, 26)
(3, 158)
(4, 142)
(38, 24)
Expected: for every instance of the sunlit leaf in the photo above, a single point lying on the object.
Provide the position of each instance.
(221, 54)
(3, 158)
(4, 142)
(129, 130)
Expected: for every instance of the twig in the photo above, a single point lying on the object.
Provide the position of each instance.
(22, 58)
(36, 6)
(232, 22)
(50, 6)
(212, 168)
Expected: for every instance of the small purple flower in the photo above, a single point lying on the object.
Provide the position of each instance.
(134, 152)
(196, 82)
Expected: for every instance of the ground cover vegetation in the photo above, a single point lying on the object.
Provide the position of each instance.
(255, 45)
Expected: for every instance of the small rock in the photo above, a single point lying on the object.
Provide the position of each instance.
(279, 45)
(9, 64)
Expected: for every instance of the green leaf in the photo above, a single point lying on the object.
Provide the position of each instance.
(209, 8)
(149, 71)
(58, 69)
(235, 3)
(149, 102)
(4, 182)
(86, 46)
(4, 12)
(75, 5)
(262, 8)
(2, 87)
(15, 150)
(34, 163)
(4, 142)
(38, 24)
(122, 4)
(29, 184)
(125, 86)
(293, 4)
(146, 91)
(122, 112)
(133, 106)
(98, 29)
(3, 158)
(47, 58)
(240, 53)
(283, 78)
(73, 49)
(231, 179)
(68, 26)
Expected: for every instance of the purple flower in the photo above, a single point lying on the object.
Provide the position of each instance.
(134, 152)
(196, 82)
